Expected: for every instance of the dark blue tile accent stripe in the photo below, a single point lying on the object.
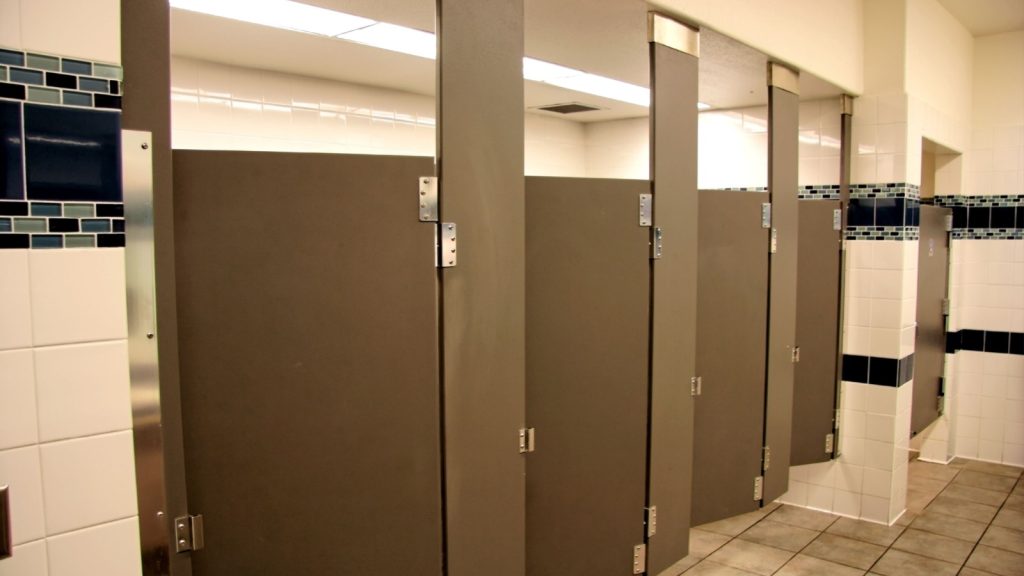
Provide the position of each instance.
(985, 341)
(986, 217)
(880, 371)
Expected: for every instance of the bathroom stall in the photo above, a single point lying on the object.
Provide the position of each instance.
(929, 358)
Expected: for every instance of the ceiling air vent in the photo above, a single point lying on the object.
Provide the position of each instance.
(569, 108)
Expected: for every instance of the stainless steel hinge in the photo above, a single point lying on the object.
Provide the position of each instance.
(766, 215)
(775, 241)
(527, 440)
(948, 221)
(945, 306)
(646, 209)
(758, 487)
(941, 404)
(837, 219)
(188, 533)
(830, 443)
(6, 539)
(842, 245)
(835, 421)
(696, 385)
(766, 458)
(795, 354)
(651, 519)
(428, 198)
(444, 243)
(639, 558)
(656, 238)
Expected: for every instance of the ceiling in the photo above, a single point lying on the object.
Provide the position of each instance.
(985, 17)
(608, 37)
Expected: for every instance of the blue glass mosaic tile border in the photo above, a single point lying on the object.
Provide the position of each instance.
(986, 217)
(829, 192)
(47, 225)
(49, 79)
(888, 211)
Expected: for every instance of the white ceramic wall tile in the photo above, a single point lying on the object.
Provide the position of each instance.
(19, 469)
(820, 497)
(27, 560)
(15, 300)
(18, 425)
(108, 550)
(88, 481)
(78, 295)
(90, 30)
(10, 27)
(877, 482)
(83, 389)
(847, 503)
(874, 509)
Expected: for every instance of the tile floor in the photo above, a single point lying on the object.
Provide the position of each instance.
(964, 518)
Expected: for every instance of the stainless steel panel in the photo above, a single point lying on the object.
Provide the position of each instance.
(674, 301)
(733, 327)
(587, 351)
(817, 331)
(783, 123)
(480, 165)
(930, 340)
(676, 35)
(783, 77)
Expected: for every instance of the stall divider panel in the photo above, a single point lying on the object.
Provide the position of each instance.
(307, 312)
(783, 124)
(930, 340)
(733, 328)
(817, 331)
(587, 305)
(480, 170)
(674, 70)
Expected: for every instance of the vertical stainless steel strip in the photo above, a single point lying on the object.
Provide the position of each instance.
(143, 339)
(845, 161)
(783, 124)
(674, 300)
(480, 168)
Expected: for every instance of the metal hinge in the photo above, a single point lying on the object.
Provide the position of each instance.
(758, 487)
(775, 242)
(766, 215)
(656, 238)
(527, 440)
(444, 244)
(696, 385)
(428, 198)
(795, 354)
(188, 533)
(948, 221)
(842, 245)
(830, 443)
(945, 306)
(835, 421)
(651, 519)
(646, 206)
(837, 219)
(766, 458)
(639, 558)
(941, 404)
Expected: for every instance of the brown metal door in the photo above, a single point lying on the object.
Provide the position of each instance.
(587, 314)
(930, 345)
(732, 328)
(308, 306)
(817, 331)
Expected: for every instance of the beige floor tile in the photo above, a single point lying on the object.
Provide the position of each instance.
(709, 568)
(958, 462)
(934, 546)
(972, 494)
(920, 469)
(899, 563)
(972, 572)
(779, 535)
(846, 551)
(1015, 502)
(906, 518)
(987, 481)
(993, 468)
(751, 557)
(703, 543)
(866, 531)
(733, 525)
(963, 509)
(1009, 519)
(997, 561)
(1004, 539)
(803, 517)
(918, 500)
(802, 565)
(924, 484)
(960, 528)
(680, 566)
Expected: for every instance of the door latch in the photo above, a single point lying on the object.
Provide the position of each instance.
(188, 533)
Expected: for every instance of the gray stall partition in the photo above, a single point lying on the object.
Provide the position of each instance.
(308, 322)
(733, 328)
(817, 331)
(587, 346)
(930, 342)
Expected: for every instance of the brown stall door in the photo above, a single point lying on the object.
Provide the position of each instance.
(308, 313)
(930, 344)
(587, 314)
(817, 331)
(732, 337)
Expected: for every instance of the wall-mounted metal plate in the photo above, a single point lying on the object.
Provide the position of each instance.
(656, 239)
(6, 539)
(448, 253)
(766, 215)
(527, 440)
(830, 443)
(646, 209)
(652, 521)
(837, 219)
(758, 487)
(428, 199)
(188, 533)
(639, 559)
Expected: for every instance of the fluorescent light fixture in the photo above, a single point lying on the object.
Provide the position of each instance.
(703, 106)
(605, 88)
(541, 71)
(395, 38)
(278, 14)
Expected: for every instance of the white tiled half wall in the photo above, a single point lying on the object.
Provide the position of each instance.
(66, 447)
(820, 140)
